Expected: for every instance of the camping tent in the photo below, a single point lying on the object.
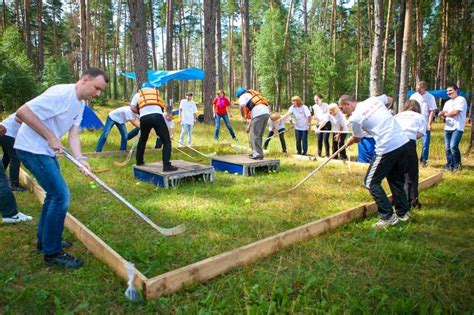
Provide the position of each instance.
(159, 78)
(90, 121)
(439, 93)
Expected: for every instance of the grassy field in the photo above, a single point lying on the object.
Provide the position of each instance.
(422, 266)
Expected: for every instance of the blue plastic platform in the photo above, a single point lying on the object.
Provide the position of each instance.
(153, 173)
(243, 165)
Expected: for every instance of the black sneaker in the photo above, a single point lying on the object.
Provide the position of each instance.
(63, 259)
(64, 244)
(169, 168)
(18, 188)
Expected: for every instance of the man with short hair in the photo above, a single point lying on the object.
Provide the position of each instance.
(454, 112)
(8, 208)
(427, 106)
(46, 119)
(373, 117)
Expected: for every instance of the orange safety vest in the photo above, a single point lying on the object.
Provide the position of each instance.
(148, 97)
(257, 99)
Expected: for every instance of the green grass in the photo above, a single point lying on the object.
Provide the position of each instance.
(423, 266)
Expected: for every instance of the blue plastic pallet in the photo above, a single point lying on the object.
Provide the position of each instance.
(244, 165)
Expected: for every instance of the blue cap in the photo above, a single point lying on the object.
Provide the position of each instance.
(147, 85)
(240, 91)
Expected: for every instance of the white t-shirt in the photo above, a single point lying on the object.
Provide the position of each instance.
(321, 112)
(427, 103)
(457, 122)
(411, 123)
(147, 110)
(122, 114)
(12, 125)
(373, 117)
(338, 122)
(188, 109)
(256, 110)
(59, 109)
(301, 116)
(277, 124)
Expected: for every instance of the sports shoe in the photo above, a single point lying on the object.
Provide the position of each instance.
(381, 224)
(64, 244)
(447, 168)
(19, 217)
(256, 157)
(424, 163)
(63, 259)
(235, 139)
(169, 168)
(404, 217)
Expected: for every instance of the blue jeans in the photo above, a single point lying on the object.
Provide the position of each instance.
(109, 123)
(186, 128)
(7, 200)
(451, 142)
(51, 223)
(301, 141)
(218, 126)
(425, 147)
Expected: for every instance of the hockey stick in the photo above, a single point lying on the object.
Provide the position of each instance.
(165, 231)
(315, 170)
(130, 153)
(197, 151)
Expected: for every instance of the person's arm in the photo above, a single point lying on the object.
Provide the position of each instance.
(229, 107)
(75, 145)
(310, 118)
(451, 113)
(26, 115)
(3, 130)
(243, 114)
(357, 131)
(135, 122)
(430, 120)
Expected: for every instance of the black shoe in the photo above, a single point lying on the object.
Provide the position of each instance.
(140, 163)
(64, 244)
(18, 188)
(63, 259)
(169, 168)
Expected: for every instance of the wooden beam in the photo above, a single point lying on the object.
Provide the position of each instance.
(211, 267)
(92, 242)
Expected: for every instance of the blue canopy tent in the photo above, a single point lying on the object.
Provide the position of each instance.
(90, 121)
(439, 93)
(160, 78)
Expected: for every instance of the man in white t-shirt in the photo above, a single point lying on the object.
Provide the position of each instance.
(187, 117)
(8, 207)
(118, 117)
(46, 119)
(255, 108)
(454, 112)
(373, 117)
(427, 106)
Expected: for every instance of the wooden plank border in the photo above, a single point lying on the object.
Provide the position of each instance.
(91, 241)
(214, 266)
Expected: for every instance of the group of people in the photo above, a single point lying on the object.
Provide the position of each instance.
(31, 136)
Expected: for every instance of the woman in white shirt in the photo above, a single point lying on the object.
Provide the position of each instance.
(321, 114)
(302, 125)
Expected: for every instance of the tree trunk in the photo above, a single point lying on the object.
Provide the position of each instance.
(139, 42)
(244, 9)
(4, 15)
(209, 84)
(471, 142)
(84, 37)
(385, 47)
(359, 50)
(332, 28)
(419, 41)
(398, 53)
(230, 46)
(374, 83)
(169, 47)
(370, 26)
(405, 60)
(40, 38)
(152, 31)
(306, 95)
(116, 48)
(124, 58)
(27, 30)
(219, 61)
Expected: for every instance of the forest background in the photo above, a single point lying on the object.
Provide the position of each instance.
(283, 48)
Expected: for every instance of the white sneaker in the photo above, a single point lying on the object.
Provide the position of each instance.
(404, 218)
(381, 224)
(19, 217)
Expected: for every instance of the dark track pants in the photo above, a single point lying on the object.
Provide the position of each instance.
(412, 175)
(336, 145)
(157, 122)
(10, 158)
(392, 166)
(323, 137)
(281, 134)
